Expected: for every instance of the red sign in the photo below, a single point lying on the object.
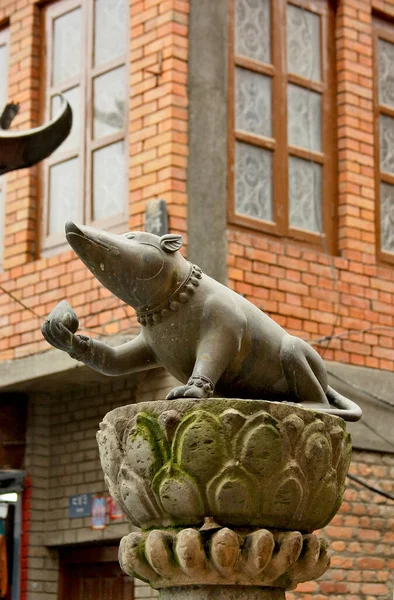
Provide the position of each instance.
(115, 511)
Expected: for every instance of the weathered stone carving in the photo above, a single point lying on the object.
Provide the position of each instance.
(266, 473)
(245, 463)
(187, 557)
(207, 336)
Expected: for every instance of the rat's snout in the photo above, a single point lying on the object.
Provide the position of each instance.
(71, 227)
(91, 245)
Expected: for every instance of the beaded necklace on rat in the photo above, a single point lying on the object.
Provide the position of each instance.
(180, 296)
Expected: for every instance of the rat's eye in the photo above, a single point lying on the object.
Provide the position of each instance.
(130, 236)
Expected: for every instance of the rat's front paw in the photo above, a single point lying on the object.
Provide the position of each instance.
(197, 387)
(81, 347)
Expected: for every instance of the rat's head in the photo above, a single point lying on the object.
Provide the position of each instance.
(140, 268)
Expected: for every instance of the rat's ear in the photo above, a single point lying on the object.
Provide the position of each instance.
(171, 242)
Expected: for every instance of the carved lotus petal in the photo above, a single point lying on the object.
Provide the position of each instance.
(224, 550)
(169, 421)
(158, 550)
(232, 421)
(138, 505)
(337, 435)
(288, 497)
(258, 549)
(288, 550)
(325, 502)
(313, 562)
(190, 552)
(113, 490)
(146, 450)
(262, 450)
(316, 454)
(234, 495)
(132, 558)
(109, 450)
(179, 495)
(199, 446)
(344, 463)
(293, 425)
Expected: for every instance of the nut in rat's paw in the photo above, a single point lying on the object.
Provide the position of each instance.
(65, 314)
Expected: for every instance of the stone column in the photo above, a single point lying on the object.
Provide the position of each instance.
(227, 494)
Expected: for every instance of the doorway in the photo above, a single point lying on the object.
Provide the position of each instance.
(93, 573)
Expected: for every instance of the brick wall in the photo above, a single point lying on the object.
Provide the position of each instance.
(361, 538)
(157, 169)
(303, 289)
(295, 286)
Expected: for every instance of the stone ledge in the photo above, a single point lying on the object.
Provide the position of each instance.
(47, 370)
(375, 414)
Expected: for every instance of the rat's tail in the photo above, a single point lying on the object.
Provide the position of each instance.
(341, 406)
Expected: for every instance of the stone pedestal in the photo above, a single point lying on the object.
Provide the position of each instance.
(222, 592)
(227, 494)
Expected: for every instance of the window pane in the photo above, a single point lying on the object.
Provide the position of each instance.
(67, 46)
(386, 72)
(64, 195)
(387, 217)
(305, 194)
(109, 181)
(304, 118)
(303, 43)
(253, 181)
(253, 110)
(111, 25)
(386, 144)
(109, 102)
(3, 76)
(253, 29)
(74, 98)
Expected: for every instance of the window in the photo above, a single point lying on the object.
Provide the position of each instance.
(281, 105)
(86, 60)
(4, 36)
(384, 147)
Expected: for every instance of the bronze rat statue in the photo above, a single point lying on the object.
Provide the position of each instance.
(206, 335)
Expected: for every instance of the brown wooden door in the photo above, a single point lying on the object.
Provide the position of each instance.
(93, 574)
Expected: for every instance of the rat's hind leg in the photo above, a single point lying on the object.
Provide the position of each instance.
(304, 372)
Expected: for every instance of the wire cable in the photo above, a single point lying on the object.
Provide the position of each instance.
(346, 334)
(370, 487)
(376, 432)
(360, 389)
(98, 330)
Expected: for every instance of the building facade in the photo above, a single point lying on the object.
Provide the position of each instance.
(267, 127)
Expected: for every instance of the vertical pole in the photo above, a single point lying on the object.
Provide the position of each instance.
(17, 545)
